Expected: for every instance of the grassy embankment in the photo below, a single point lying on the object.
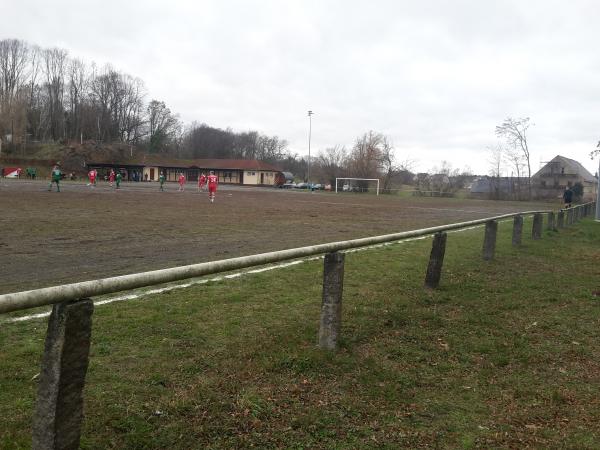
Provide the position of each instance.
(504, 354)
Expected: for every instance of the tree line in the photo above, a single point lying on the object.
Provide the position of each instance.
(47, 96)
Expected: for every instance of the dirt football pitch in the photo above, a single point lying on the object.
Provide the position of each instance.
(84, 233)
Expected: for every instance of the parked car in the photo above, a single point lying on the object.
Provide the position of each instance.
(301, 186)
(287, 186)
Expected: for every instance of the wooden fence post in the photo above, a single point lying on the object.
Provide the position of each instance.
(59, 406)
(560, 221)
(489, 240)
(331, 306)
(570, 216)
(551, 225)
(536, 229)
(436, 260)
(517, 230)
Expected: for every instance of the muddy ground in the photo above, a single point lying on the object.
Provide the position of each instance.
(50, 238)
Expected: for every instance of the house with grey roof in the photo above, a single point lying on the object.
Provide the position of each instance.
(552, 179)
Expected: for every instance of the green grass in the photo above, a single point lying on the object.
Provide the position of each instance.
(504, 355)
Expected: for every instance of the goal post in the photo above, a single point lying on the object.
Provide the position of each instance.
(349, 184)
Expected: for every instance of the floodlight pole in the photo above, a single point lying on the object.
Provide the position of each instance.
(310, 113)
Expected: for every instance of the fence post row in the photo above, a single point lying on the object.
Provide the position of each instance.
(517, 230)
(331, 306)
(436, 260)
(489, 240)
(59, 407)
(536, 229)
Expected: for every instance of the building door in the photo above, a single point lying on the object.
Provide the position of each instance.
(151, 174)
(242, 177)
(262, 178)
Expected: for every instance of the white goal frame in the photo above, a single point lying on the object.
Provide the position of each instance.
(357, 179)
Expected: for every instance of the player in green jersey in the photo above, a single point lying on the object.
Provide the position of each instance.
(161, 180)
(118, 179)
(56, 176)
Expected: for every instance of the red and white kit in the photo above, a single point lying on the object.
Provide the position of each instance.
(213, 180)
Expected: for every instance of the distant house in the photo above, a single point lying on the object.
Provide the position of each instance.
(552, 179)
(498, 188)
(230, 171)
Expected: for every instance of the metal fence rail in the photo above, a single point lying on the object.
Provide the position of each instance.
(59, 406)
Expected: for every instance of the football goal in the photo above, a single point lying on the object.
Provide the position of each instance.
(356, 185)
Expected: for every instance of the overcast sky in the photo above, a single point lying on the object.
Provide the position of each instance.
(435, 76)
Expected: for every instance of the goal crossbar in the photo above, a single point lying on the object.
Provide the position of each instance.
(357, 179)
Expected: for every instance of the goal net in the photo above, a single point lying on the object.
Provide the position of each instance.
(357, 185)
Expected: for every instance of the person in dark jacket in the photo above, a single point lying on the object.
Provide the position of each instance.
(568, 197)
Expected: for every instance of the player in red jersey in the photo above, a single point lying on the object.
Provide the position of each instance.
(181, 181)
(201, 182)
(92, 177)
(213, 181)
(111, 177)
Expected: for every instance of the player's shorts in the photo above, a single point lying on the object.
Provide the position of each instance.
(212, 188)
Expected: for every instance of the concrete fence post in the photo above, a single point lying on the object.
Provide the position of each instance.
(517, 230)
(560, 221)
(331, 306)
(551, 219)
(489, 240)
(536, 229)
(59, 407)
(570, 216)
(436, 260)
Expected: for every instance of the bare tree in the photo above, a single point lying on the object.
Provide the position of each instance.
(55, 65)
(163, 125)
(331, 162)
(14, 55)
(514, 132)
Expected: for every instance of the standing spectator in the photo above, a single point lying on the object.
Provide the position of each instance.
(213, 181)
(568, 197)
(55, 178)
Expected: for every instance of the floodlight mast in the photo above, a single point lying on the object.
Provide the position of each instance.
(310, 113)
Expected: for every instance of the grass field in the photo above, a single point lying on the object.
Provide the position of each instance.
(504, 355)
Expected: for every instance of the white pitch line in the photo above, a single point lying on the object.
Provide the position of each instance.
(134, 296)
(474, 211)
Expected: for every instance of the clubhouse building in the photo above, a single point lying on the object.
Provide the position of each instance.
(231, 171)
